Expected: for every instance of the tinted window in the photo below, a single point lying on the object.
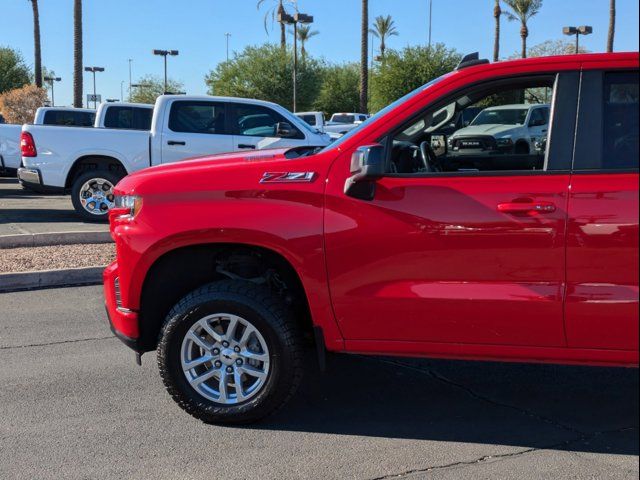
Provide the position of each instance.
(128, 118)
(310, 119)
(620, 121)
(343, 119)
(258, 121)
(198, 117)
(69, 118)
(539, 116)
(501, 117)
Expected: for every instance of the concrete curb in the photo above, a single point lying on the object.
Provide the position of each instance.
(53, 238)
(50, 278)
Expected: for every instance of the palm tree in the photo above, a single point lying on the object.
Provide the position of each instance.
(383, 28)
(612, 25)
(77, 53)
(364, 57)
(273, 13)
(304, 34)
(522, 11)
(497, 11)
(36, 43)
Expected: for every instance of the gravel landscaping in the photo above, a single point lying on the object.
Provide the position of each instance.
(55, 257)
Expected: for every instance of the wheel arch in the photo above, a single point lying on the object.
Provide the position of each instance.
(95, 162)
(192, 266)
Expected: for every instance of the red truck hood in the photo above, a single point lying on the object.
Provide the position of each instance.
(208, 173)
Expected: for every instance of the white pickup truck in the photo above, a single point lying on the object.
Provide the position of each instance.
(10, 133)
(339, 124)
(89, 162)
(518, 128)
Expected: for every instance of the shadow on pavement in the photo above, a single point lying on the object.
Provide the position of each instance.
(530, 406)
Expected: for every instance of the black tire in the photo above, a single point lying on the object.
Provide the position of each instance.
(268, 314)
(522, 148)
(80, 180)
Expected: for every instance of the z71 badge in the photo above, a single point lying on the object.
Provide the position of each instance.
(287, 177)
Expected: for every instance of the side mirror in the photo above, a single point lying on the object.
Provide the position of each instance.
(367, 165)
(285, 130)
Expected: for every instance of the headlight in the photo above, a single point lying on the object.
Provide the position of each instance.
(127, 206)
(504, 142)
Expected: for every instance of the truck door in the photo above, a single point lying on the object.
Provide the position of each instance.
(195, 128)
(602, 235)
(464, 249)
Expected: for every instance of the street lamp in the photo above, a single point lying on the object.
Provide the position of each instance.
(51, 80)
(577, 31)
(294, 20)
(94, 70)
(164, 53)
(130, 62)
(227, 35)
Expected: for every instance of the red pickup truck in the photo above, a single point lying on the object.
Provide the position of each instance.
(387, 242)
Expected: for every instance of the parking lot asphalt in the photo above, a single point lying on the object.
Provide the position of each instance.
(74, 405)
(24, 211)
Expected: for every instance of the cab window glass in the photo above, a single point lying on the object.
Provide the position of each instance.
(69, 118)
(620, 121)
(198, 117)
(129, 118)
(489, 129)
(259, 121)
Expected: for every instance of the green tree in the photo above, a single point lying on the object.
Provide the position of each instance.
(405, 70)
(497, 12)
(554, 47)
(523, 11)
(14, 73)
(340, 91)
(77, 53)
(304, 34)
(37, 64)
(151, 87)
(612, 25)
(364, 57)
(265, 72)
(383, 28)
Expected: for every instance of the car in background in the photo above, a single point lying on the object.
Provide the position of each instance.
(505, 128)
(348, 121)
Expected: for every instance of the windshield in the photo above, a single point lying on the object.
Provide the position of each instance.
(343, 118)
(511, 116)
(381, 113)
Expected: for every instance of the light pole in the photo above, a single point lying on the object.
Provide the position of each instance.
(294, 20)
(130, 62)
(164, 54)
(227, 35)
(94, 70)
(577, 31)
(430, 14)
(122, 91)
(51, 80)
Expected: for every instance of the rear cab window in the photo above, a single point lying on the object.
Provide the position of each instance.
(128, 118)
(69, 118)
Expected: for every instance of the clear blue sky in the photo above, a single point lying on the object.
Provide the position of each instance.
(115, 30)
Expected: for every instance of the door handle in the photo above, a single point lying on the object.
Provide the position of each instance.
(526, 207)
(175, 142)
(247, 145)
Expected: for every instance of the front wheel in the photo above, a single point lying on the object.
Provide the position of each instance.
(92, 194)
(229, 353)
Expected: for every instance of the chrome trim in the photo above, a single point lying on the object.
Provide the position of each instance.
(29, 175)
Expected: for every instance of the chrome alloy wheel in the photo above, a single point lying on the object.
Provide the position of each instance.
(225, 358)
(96, 196)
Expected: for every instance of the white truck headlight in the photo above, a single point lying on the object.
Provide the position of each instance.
(504, 142)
